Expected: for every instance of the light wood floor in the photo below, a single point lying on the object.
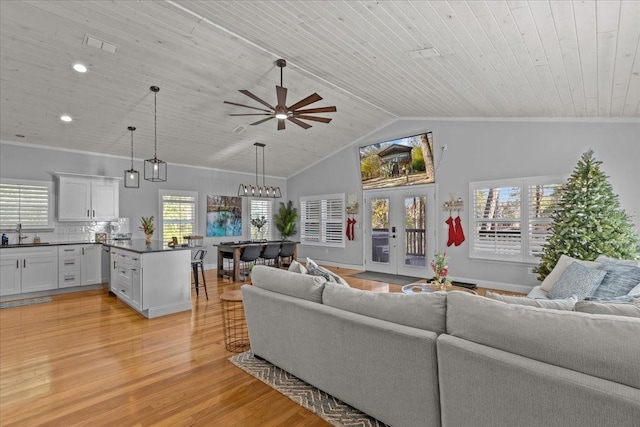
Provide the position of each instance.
(87, 359)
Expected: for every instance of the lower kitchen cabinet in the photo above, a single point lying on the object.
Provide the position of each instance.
(79, 265)
(29, 269)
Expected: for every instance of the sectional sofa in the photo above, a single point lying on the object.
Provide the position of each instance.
(447, 359)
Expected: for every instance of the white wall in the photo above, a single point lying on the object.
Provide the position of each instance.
(39, 163)
(483, 150)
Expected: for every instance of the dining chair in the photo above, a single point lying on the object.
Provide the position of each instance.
(286, 252)
(249, 254)
(270, 253)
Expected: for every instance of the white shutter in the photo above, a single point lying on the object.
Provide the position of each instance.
(25, 203)
(178, 215)
(332, 220)
(310, 219)
(543, 201)
(322, 220)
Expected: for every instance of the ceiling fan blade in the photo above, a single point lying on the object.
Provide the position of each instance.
(252, 114)
(308, 100)
(261, 121)
(281, 92)
(315, 119)
(246, 106)
(317, 110)
(252, 96)
(281, 124)
(299, 123)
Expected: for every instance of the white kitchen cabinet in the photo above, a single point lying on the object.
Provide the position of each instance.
(88, 198)
(126, 277)
(28, 269)
(91, 266)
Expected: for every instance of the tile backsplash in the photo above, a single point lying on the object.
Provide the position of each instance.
(74, 231)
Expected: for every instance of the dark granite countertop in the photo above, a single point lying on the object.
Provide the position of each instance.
(141, 247)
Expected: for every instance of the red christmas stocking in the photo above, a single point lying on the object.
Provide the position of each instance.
(353, 232)
(452, 231)
(348, 230)
(459, 232)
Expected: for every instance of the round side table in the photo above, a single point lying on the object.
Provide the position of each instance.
(234, 324)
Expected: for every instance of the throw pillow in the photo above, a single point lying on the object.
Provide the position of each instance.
(315, 270)
(560, 267)
(614, 309)
(620, 279)
(635, 291)
(556, 304)
(576, 280)
(296, 267)
(631, 262)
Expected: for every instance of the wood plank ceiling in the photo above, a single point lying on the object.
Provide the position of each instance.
(541, 59)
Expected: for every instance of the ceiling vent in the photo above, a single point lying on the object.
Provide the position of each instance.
(238, 129)
(429, 52)
(93, 41)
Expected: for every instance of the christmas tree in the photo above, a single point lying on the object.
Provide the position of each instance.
(589, 222)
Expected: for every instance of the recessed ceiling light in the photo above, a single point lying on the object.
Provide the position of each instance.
(80, 68)
(66, 118)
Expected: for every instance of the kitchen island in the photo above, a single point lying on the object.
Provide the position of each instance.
(153, 279)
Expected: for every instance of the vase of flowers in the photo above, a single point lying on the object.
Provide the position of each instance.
(440, 270)
(147, 228)
(258, 223)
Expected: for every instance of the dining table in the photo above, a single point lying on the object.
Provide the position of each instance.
(236, 249)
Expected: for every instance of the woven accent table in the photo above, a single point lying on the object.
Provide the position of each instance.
(234, 324)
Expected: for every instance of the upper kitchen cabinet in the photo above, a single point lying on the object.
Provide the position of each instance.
(88, 198)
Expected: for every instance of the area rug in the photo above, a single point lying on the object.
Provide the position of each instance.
(327, 407)
(23, 302)
(394, 279)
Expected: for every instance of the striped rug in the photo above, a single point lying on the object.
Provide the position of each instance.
(327, 407)
(23, 302)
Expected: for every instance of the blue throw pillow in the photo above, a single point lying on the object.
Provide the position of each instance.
(620, 279)
(576, 280)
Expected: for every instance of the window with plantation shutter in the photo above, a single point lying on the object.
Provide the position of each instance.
(26, 202)
(322, 220)
(260, 209)
(511, 219)
(178, 214)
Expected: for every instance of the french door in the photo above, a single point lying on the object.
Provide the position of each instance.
(400, 231)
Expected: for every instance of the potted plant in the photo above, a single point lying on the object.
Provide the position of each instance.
(285, 219)
(147, 227)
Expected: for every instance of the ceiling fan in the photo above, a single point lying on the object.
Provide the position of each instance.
(281, 111)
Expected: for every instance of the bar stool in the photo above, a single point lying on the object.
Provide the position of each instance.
(270, 253)
(198, 260)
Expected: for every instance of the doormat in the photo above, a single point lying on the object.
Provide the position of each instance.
(23, 302)
(334, 411)
(394, 279)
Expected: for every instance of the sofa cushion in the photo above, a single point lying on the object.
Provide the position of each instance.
(620, 279)
(424, 311)
(598, 345)
(563, 262)
(285, 282)
(632, 262)
(556, 304)
(315, 270)
(576, 280)
(614, 309)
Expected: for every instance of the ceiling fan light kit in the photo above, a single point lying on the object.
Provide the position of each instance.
(281, 112)
(265, 191)
(155, 170)
(131, 176)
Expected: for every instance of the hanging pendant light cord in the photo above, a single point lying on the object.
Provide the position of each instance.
(155, 125)
(131, 147)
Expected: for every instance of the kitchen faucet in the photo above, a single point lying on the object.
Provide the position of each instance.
(21, 237)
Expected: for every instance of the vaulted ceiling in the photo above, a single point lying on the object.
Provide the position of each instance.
(371, 59)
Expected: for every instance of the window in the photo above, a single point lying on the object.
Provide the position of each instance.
(261, 209)
(511, 219)
(322, 220)
(178, 214)
(26, 202)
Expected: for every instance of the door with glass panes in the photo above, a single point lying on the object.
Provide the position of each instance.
(399, 227)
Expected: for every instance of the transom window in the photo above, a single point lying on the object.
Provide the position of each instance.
(26, 202)
(511, 219)
(178, 214)
(322, 220)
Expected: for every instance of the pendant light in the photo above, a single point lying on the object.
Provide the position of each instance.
(131, 176)
(155, 170)
(259, 190)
